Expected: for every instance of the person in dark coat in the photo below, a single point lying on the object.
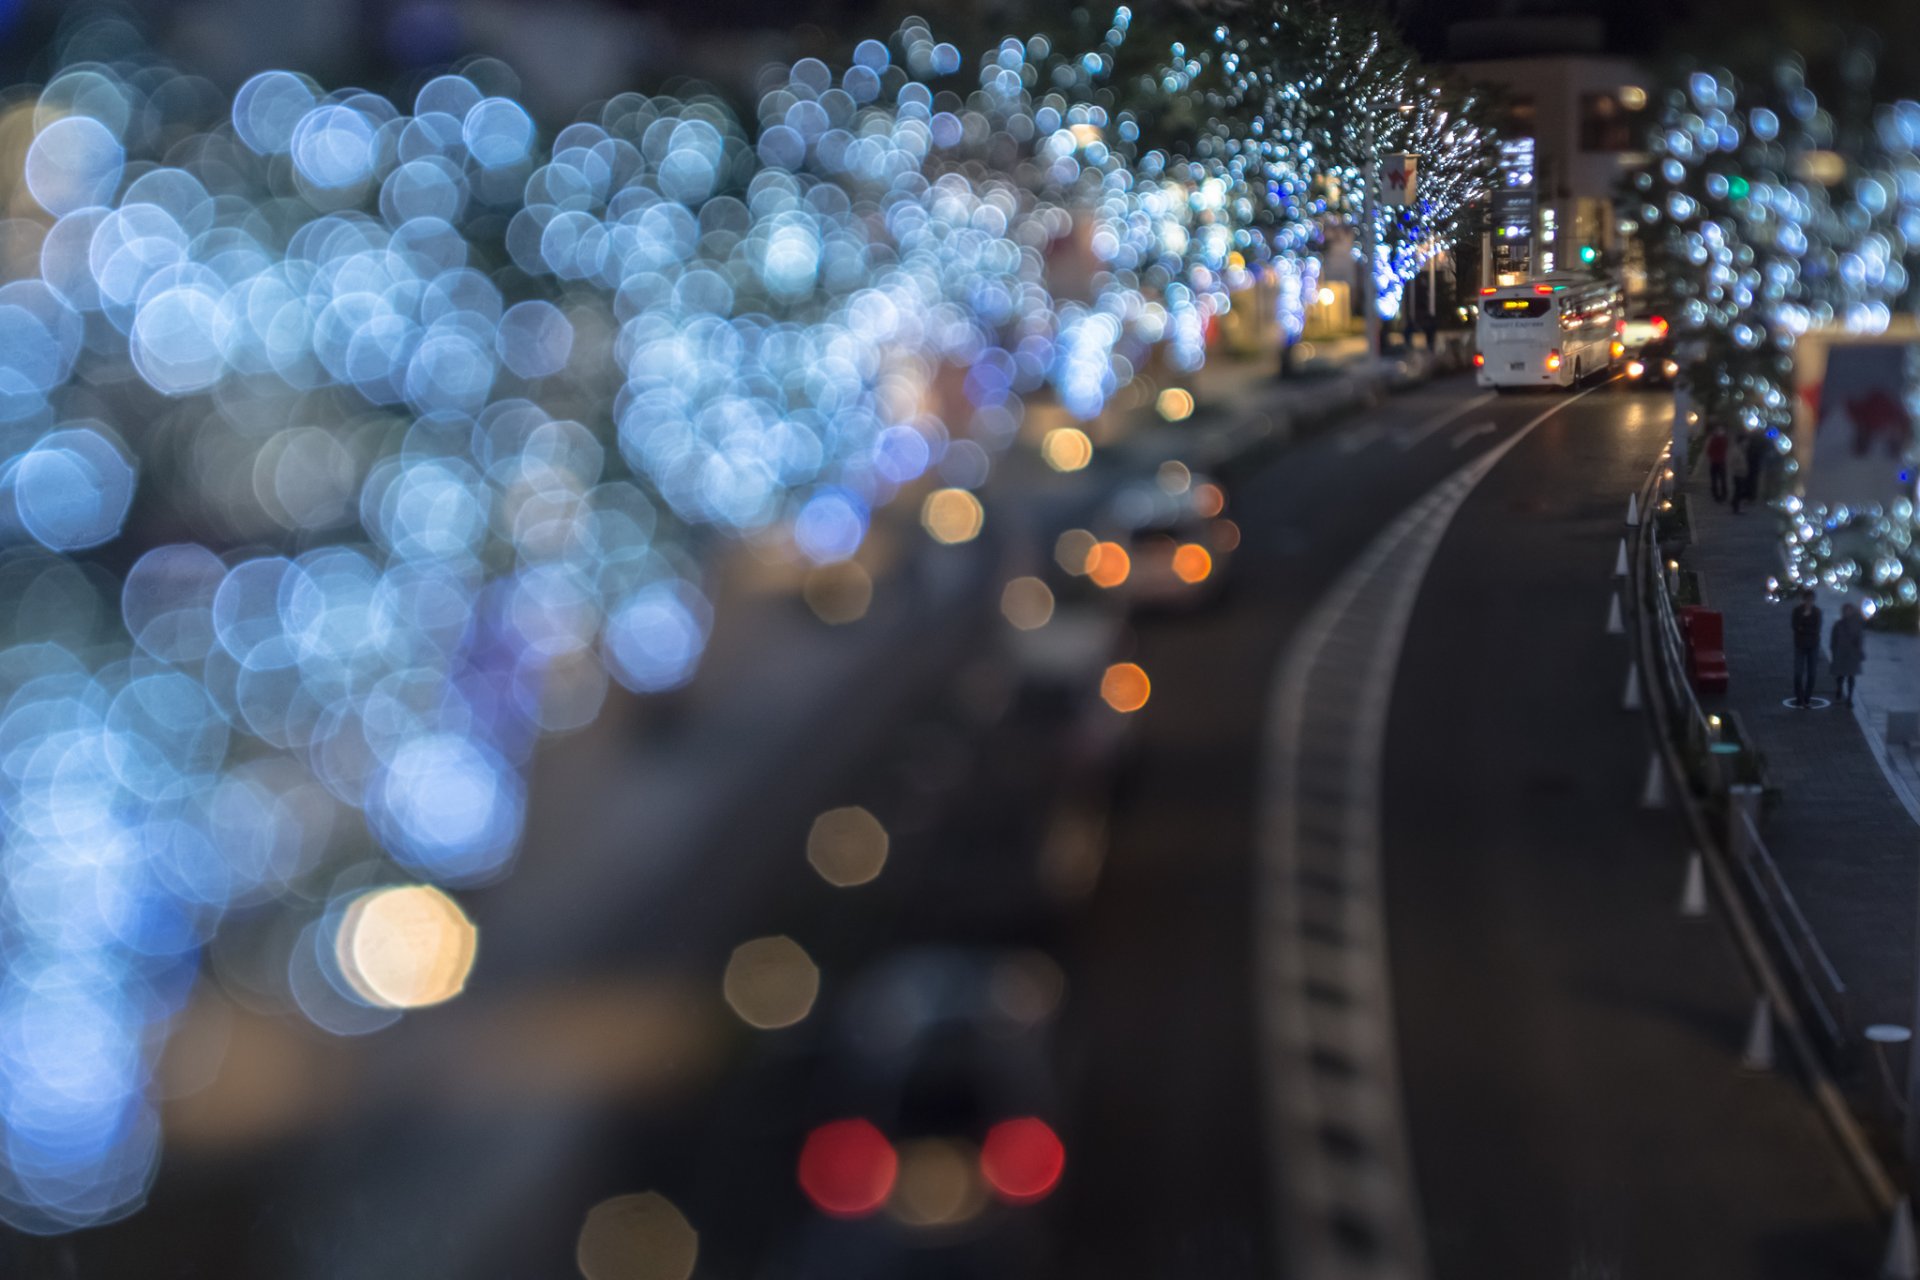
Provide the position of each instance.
(1846, 651)
(1717, 462)
(1806, 648)
(1758, 451)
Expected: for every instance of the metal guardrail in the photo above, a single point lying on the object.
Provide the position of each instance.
(1821, 991)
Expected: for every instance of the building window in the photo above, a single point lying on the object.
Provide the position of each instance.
(1605, 124)
(1520, 117)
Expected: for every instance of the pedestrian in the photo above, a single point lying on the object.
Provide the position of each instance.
(1806, 648)
(1717, 461)
(1755, 452)
(1432, 325)
(1847, 651)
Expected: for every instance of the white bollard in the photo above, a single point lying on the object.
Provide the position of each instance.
(1633, 511)
(1630, 701)
(1653, 795)
(1693, 892)
(1900, 1262)
(1758, 1055)
(1620, 560)
(1615, 626)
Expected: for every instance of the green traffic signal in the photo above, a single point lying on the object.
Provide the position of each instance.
(1588, 253)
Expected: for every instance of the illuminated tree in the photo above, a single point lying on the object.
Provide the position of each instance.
(1759, 227)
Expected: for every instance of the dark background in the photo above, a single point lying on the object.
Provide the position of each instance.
(574, 51)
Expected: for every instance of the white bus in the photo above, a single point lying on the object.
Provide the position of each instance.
(1554, 332)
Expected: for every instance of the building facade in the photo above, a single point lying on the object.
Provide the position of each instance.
(1571, 127)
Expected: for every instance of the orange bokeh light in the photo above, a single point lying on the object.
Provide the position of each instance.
(1191, 563)
(1208, 500)
(1108, 564)
(1125, 687)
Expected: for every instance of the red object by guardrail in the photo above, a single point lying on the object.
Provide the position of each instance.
(1705, 632)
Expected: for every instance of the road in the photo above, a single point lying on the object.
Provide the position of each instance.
(1564, 1050)
(1362, 952)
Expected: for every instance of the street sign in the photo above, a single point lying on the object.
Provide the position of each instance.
(1516, 162)
(1398, 175)
(1513, 211)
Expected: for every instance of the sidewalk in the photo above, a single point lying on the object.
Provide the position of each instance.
(1842, 833)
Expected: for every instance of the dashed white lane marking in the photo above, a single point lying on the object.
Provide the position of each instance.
(1336, 1134)
(1414, 435)
(1468, 433)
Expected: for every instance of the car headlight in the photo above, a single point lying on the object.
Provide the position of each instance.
(1670, 368)
(1635, 368)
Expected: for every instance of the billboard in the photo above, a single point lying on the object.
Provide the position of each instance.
(1854, 426)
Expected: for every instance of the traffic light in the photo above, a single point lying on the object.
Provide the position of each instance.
(1587, 254)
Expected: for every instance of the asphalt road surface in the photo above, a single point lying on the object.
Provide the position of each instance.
(1564, 1053)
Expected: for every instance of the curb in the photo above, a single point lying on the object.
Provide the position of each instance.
(1867, 1165)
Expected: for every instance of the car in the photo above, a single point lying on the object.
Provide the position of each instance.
(1640, 329)
(1174, 540)
(929, 1145)
(1653, 365)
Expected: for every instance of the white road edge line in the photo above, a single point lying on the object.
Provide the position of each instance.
(1322, 1194)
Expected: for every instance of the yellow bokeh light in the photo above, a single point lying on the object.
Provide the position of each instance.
(1072, 549)
(838, 593)
(771, 983)
(405, 947)
(1125, 687)
(1191, 563)
(641, 1237)
(1027, 603)
(952, 515)
(938, 1184)
(1175, 404)
(1066, 449)
(1108, 564)
(847, 846)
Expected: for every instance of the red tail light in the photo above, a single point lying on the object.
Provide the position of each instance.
(1022, 1160)
(1543, 288)
(1479, 361)
(1659, 327)
(847, 1168)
